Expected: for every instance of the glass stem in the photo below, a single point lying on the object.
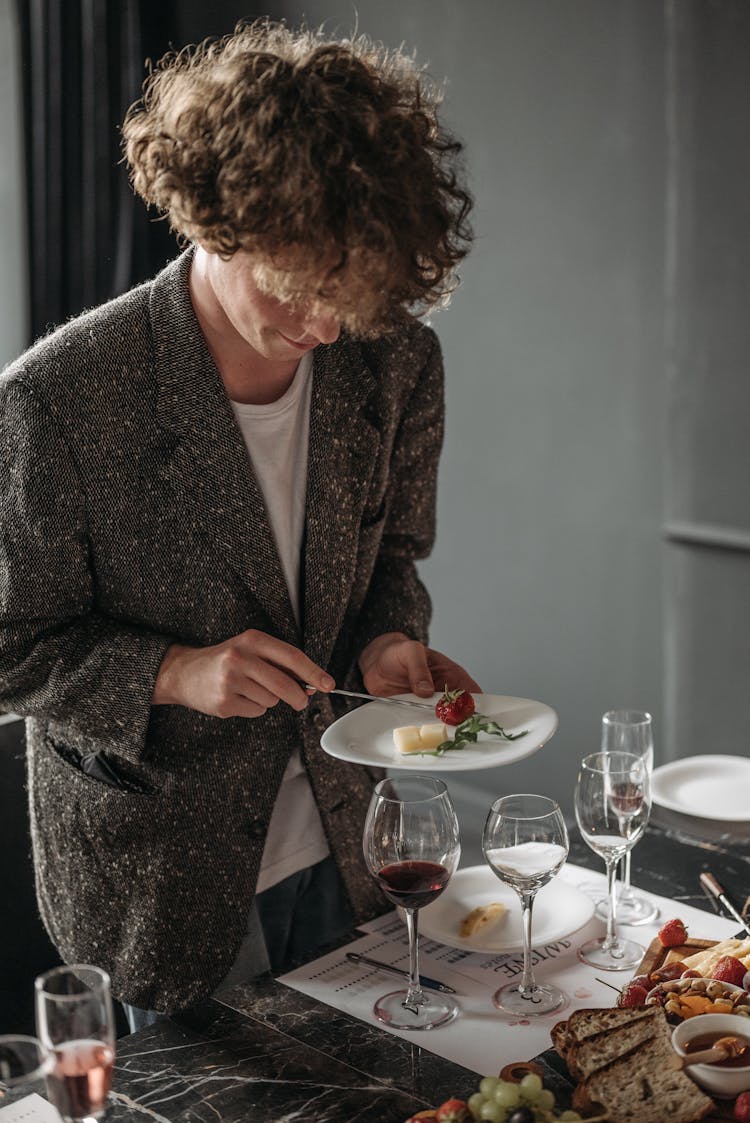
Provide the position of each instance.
(414, 996)
(610, 940)
(625, 893)
(528, 982)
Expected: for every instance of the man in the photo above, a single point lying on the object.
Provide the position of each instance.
(214, 489)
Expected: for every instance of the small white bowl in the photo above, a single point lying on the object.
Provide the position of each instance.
(722, 1082)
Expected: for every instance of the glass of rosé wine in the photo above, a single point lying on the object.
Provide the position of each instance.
(612, 805)
(411, 848)
(75, 1024)
(629, 731)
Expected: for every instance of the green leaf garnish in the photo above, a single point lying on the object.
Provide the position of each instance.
(467, 733)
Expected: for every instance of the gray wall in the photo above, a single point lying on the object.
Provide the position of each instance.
(546, 577)
(707, 508)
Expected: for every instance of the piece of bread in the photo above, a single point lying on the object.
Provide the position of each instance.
(600, 1049)
(482, 917)
(585, 1023)
(560, 1039)
(641, 1087)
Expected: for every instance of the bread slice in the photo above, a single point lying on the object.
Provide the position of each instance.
(560, 1040)
(482, 917)
(600, 1049)
(585, 1023)
(641, 1087)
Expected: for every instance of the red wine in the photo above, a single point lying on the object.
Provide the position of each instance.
(627, 797)
(80, 1081)
(413, 884)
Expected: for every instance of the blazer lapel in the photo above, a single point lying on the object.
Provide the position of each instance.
(342, 453)
(209, 468)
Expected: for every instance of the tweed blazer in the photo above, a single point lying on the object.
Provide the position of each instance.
(130, 519)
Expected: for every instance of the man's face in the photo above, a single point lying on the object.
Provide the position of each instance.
(275, 330)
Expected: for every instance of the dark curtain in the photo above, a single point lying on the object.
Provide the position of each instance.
(83, 63)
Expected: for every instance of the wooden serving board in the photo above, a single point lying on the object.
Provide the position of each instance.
(657, 956)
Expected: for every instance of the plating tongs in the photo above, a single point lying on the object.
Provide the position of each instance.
(372, 698)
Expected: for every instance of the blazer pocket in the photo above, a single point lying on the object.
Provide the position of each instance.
(99, 768)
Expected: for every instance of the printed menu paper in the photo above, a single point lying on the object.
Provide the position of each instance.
(31, 1109)
(466, 1041)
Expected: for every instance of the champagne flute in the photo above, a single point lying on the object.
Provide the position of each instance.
(629, 731)
(24, 1065)
(411, 848)
(75, 1023)
(612, 804)
(525, 843)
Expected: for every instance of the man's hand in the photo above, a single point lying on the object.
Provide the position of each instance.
(395, 664)
(242, 677)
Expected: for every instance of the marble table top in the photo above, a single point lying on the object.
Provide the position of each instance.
(270, 1053)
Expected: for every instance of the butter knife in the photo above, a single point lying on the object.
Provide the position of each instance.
(372, 698)
(711, 885)
(432, 984)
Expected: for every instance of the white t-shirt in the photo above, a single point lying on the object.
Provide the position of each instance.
(276, 436)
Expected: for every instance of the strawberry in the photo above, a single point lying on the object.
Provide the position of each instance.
(672, 934)
(453, 1111)
(742, 1108)
(455, 706)
(632, 995)
(423, 1117)
(729, 969)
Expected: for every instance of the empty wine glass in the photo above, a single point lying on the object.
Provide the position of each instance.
(75, 1022)
(612, 804)
(411, 848)
(24, 1065)
(525, 843)
(629, 731)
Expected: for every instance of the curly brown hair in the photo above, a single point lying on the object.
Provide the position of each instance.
(324, 159)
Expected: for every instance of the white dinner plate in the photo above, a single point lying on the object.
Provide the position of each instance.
(559, 910)
(711, 787)
(365, 735)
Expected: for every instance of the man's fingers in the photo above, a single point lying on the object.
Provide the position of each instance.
(447, 673)
(418, 669)
(288, 658)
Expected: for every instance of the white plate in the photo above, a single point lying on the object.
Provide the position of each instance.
(711, 787)
(365, 735)
(559, 909)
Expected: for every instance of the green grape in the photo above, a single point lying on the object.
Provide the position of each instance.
(546, 1099)
(530, 1087)
(507, 1095)
(474, 1104)
(492, 1112)
(487, 1085)
(570, 1117)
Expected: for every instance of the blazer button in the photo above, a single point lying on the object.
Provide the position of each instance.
(257, 828)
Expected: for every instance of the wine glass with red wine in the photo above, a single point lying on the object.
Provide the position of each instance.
(411, 848)
(75, 1023)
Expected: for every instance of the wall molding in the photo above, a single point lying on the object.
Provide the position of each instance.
(707, 534)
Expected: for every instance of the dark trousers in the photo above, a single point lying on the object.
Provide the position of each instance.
(287, 924)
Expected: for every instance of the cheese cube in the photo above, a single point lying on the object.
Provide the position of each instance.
(406, 739)
(413, 739)
(433, 735)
